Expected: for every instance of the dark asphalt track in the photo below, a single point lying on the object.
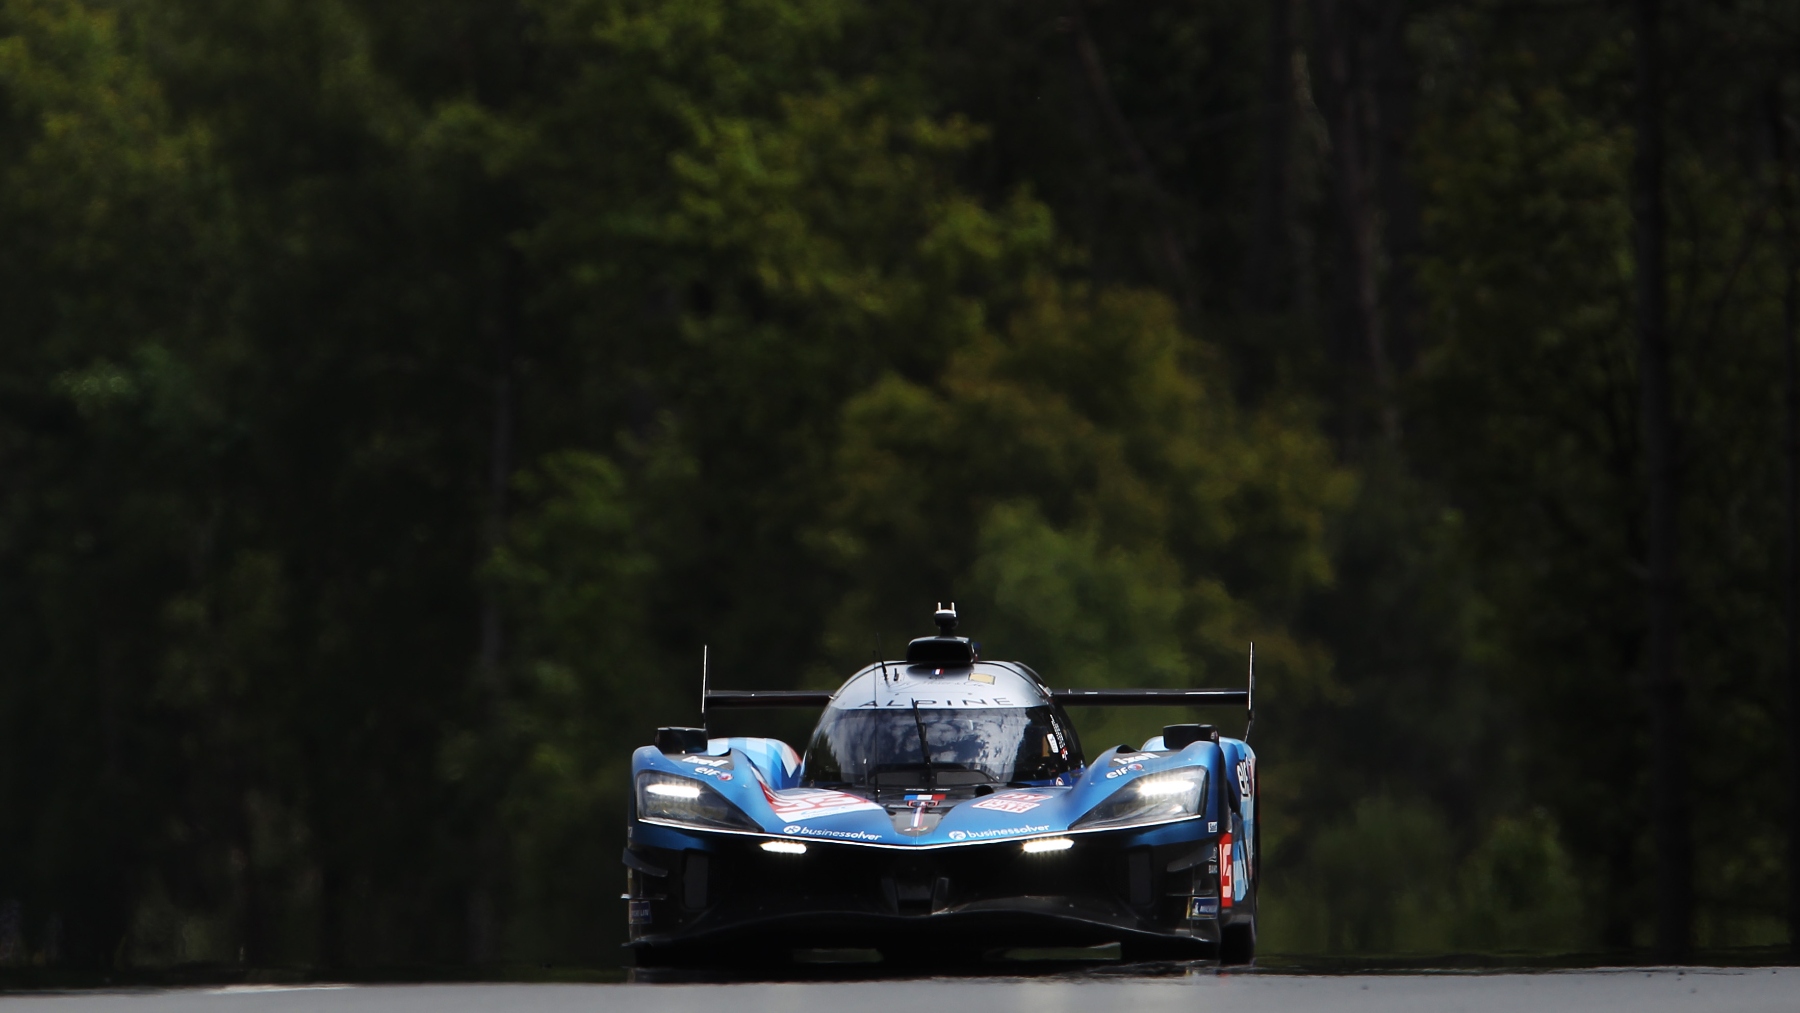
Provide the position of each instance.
(1714, 990)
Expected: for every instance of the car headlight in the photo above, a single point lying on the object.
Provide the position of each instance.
(686, 801)
(1149, 799)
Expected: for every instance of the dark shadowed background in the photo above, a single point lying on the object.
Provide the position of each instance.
(395, 395)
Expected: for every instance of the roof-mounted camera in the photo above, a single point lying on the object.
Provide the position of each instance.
(945, 619)
(945, 648)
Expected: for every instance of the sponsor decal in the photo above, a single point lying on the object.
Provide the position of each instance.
(982, 835)
(1012, 802)
(1016, 808)
(1240, 883)
(836, 835)
(639, 912)
(1227, 879)
(1124, 758)
(708, 761)
(712, 772)
(1243, 778)
(981, 677)
(959, 701)
(1204, 907)
(1122, 771)
(812, 803)
(1212, 827)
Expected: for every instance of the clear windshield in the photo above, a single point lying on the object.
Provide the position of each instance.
(988, 745)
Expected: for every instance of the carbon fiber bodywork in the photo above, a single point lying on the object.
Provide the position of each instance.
(710, 897)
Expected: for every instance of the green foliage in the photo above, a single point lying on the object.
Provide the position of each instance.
(1533, 361)
(1520, 891)
(394, 397)
(1074, 480)
(1389, 879)
(575, 581)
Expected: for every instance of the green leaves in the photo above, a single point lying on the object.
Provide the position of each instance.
(1075, 482)
(573, 569)
(395, 396)
(1105, 617)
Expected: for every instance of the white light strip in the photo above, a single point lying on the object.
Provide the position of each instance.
(1155, 787)
(674, 790)
(1047, 844)
(784, 847)
(915, 848)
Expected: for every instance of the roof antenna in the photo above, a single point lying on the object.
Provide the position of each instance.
(1250, 697)
(879, 660)
(703, 652)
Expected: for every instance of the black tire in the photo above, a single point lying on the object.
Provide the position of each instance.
(1237, 944)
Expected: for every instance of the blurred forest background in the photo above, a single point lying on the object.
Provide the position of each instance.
(396, 394)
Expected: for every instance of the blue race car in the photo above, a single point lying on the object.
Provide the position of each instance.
(943, 811)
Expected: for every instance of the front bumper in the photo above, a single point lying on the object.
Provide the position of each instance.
(696, 897)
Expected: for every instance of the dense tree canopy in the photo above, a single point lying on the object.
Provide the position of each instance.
(396, 396)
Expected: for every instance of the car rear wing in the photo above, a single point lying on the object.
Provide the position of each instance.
(764, 698)
(1167, 697)
(771, 698)
(817, 698)
(1149, 697)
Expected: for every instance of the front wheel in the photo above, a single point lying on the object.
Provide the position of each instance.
(1237, 944)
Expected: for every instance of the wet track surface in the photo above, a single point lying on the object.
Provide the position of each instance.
(1638, 990)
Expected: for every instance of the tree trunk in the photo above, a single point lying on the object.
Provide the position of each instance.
(1791, 578)
(1270, 264)
(1670, 813)
(500, 456)
(253, 916)
(1165, 245)
(1790, 446)
(1395, 92)
(332, 948)
(481, 930)
(1351, 120)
